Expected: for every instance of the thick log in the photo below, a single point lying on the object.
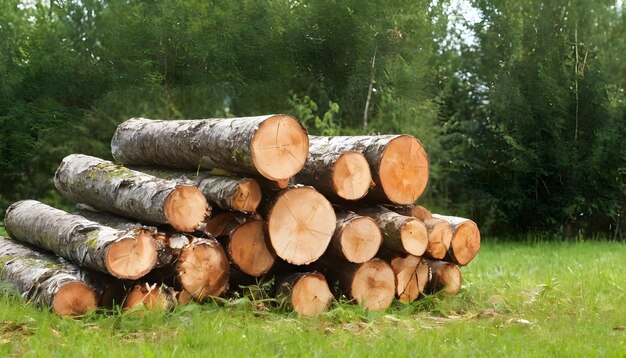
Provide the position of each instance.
(274, 146)
(47, 281)
(412, 275)
(113, 188)
(150, 297)
(465, 242)
(338, 174)
(307, 293)
(400, 233)
(356, 238)
(126, 255)
(446, 278)
(300, 224)
(398, 164)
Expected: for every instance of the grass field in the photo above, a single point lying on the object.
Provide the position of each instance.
(518, 299)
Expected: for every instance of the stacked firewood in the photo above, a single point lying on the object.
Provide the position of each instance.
(200, 208)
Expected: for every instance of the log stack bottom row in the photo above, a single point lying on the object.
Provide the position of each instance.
(195, 209)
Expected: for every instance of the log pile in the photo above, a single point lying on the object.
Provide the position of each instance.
(194, 209)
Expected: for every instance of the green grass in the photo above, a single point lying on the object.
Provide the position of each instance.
(530, 299)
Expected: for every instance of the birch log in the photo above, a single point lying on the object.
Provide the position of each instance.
(400, 233)
(465, 242)
(125, 192)
(125, 255)
(306, 293)
(274, 146)
(398, 164)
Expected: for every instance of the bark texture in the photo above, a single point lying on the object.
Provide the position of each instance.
(84, 242)
(225, 143)
(400, 233)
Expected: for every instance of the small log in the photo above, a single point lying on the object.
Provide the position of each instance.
(202, 269)
(306, 293)
(400, 233)
(412, 275)
(398, 164)
(356, 238)
(274, 146)
(336, 174)
(151, 297)
(300, 224)
(47, 281)
(465, 242)
(446, 277)
(125, 255)
(113, 188)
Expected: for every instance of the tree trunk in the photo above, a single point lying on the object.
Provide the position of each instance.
(225, 192)
(465, 239)
(356, 238)
(306, 293)
(274, 146)
(400, 233)
(412, 274)
(398, 164)
(338, 174)
(47, 281)
(446, 277)
(300, 223)
(125, 255)
(150, 297)
(125, 192)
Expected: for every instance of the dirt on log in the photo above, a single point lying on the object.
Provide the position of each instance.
(273, 146)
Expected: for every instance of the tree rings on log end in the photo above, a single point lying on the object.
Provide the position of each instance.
(403, 170)
(248, 249)
(185, 208)
(74, 299)
(465, 242)
(248, 196)
(203, 269)
(373, 285)
(352, 177)
(411, 275)
(279, 147)
(360, 239)
(311, 295)
(300, 225)
(414, 237)
(131, 257)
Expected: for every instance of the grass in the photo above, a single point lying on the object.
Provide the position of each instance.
(519, 299)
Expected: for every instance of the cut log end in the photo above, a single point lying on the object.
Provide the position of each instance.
(404, 170)
(248, 249)
(203, 269)
(439, 238)
(351, 176)
(131, 257)
(414, 237)
(248, 196)
(147, 296)
(218, 223)
(360, 240)
(374, 286)
(185, 208)
(311, 295)
(411, 275)
(279, 147)
(74, 299)
(300, 225)
(446, 278)
(466, 242)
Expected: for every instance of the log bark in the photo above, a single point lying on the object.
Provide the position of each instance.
(398, 164)
(357, 238)
(300, 224)
(400, 233)
(446, 278)
(417, 211)
(113, 188)
(274, 146)
(306, 293)
(412, 275)
(465, 242)
(225, 192)
(338, 174)
(125, 255)
(47, 281)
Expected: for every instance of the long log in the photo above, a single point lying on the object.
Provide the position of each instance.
(274, 146)
(398, 164)
(400, 233)
(125, 192)
(412, 275)
(125, 255)
(356, 238)
(465, 242)
(306, 293)
(446, 278)
(47, 281)
(300, 224)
